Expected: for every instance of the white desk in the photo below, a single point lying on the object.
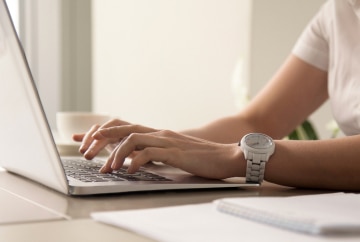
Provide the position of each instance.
(47, 215)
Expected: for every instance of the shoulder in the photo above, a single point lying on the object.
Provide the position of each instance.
(313, 44)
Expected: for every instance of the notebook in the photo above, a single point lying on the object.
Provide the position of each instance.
(28, 147)
(333, 213)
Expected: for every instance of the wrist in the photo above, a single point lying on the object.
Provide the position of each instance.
(238, 162)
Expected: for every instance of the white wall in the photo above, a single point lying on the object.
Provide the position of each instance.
(166, 63)
(169, 63)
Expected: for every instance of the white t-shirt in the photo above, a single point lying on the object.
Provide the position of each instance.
(331, 42)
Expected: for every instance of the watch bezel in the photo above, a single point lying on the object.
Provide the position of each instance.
(258, 150)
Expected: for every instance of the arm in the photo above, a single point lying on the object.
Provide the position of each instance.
(290, 97)
(326, 164)
(277, 110)
(295, 92)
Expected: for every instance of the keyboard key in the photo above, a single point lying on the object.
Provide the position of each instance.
(88, 171)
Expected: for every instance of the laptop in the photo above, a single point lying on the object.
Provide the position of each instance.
(28, 148)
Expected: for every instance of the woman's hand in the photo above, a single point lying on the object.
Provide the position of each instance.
(197, 156)
(90, 147)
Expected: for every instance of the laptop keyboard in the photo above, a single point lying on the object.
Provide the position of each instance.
(88, 171)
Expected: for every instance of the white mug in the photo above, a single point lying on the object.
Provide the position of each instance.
(69, 123)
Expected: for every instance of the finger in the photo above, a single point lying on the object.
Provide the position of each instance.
(89, 145)
(106, 168)
(135, 142)
(87, 139)
(113, 123)
(78, 137)
(148, 154)
(122, 131)
(95, 148)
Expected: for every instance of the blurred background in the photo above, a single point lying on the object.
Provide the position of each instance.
(171, 64)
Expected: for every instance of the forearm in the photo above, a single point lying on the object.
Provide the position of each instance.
(324, 164)
(304, 88)
(226, 130)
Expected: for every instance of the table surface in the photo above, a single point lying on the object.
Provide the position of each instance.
(32, 212)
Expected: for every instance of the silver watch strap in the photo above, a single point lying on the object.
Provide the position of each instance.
(255, 169)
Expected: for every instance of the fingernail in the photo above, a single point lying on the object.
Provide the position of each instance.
(88, 155)
(82, 150)
(105, 169)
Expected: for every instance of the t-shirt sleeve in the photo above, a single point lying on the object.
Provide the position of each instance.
(312, 45)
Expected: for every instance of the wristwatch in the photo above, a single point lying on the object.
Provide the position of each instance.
(257, 150)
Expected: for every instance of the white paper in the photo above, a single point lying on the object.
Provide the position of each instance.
(203, 222)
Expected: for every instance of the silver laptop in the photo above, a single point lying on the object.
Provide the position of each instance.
(28, 149)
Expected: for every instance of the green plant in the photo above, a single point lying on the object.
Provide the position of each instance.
(305, 131)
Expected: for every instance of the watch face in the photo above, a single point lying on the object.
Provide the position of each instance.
(258, 141)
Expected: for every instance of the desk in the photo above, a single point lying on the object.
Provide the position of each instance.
(71, 215)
